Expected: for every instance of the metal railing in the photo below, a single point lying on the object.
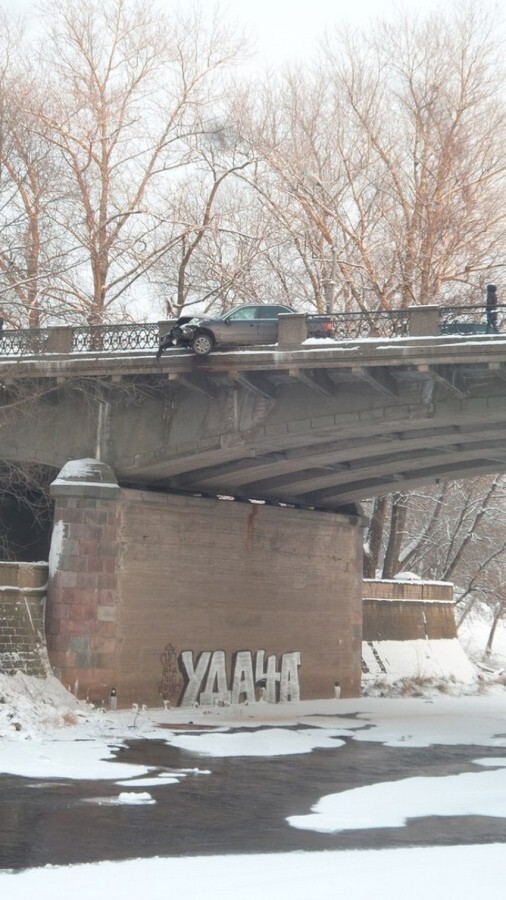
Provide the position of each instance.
(108, 338)
(469, 320)
(79, 339)
(450, 320)
(380, 323)
(23, 343)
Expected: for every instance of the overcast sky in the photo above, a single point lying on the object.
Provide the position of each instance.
(287, 29)
(283, 29)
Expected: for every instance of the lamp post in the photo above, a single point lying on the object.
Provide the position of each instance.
(330, 286)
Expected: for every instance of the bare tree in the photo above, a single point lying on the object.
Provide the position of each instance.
(127, 96)
(30, 253)
(384, 164)
(193, 271)
(455, 533)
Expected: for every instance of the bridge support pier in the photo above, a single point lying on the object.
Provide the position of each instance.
(193, 600)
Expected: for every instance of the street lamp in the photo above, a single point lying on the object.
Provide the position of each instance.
(330, 286)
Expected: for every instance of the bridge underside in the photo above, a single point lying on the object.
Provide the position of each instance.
(314, 430)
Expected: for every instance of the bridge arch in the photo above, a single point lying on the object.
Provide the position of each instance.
(318, 428)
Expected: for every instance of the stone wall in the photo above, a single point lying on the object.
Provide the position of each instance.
(81, 624)
(190, 599)
(230, 578)
(22, 601)
(407, 610)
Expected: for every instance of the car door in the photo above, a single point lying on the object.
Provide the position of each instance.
(267, 318)
(241, 327)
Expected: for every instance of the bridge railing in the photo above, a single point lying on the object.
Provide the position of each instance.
(413, 321)
(469, 319)
(380, 323)
(417, 321)
(79, 339)
(116, 337)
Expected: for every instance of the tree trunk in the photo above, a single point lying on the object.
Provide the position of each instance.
(397, 526)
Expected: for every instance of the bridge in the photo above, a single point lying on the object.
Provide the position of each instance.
(315, 424)
(156, 586)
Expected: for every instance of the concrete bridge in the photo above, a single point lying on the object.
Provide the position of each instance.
(155, 592)
(312, 424)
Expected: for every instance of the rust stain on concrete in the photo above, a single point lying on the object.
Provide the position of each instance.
(250, 526)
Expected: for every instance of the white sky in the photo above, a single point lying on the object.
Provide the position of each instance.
(284, 29)
(281, 30)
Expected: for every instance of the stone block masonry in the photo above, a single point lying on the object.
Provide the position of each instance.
(22, 603)
(195, 600)
(81, 623)
(396, 610)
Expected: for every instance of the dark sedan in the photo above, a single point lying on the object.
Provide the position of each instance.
(243, 326)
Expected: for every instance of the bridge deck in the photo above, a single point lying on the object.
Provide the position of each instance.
(322, 425)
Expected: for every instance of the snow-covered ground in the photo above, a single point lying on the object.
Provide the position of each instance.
(45, 732)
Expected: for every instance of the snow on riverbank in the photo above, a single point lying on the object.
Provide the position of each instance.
(418, 873)
(30, 706)
(48, 734)
(85, 748)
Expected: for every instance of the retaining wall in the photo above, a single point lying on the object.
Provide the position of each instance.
(22, 603)
(395, 610)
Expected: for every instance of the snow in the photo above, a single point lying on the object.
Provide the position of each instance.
(417, 873)
(275, 742)
(390, 804)
(57, 541)
(473, 635)
(79, 469)
(46, 733)
(419, 661)
(135, 798)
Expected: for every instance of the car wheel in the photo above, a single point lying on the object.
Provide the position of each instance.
(202, 343)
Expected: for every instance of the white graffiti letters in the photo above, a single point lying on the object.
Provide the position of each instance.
(268, 677)
(243, 681)
(289, 689)
(195, 676)
(207, 682)
(216, 677)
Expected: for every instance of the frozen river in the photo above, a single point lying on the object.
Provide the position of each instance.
(228, 804)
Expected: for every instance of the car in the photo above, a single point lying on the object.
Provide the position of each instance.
(242, 326)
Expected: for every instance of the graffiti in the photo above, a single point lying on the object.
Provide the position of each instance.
(207, 683)
(172, 680)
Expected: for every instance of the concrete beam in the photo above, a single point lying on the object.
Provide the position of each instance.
(377, 378)
(317, 379)
(318, 482)
(445, 376)
(199, 383)
(259, 384)
(356, 491)
(265, 474)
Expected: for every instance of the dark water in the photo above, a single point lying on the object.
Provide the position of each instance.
(240, 807)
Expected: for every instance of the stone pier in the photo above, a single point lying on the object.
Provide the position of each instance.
(187, 600)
